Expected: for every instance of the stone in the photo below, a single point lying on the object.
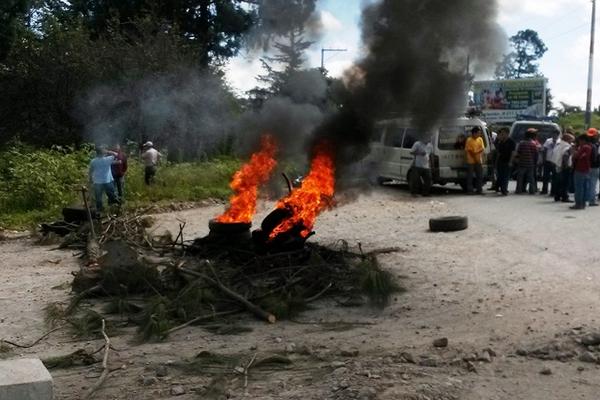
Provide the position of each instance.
(588, 357)
(177, 390)
(367, 393)
(408, 357)
(25, 379)
(430, 362)
(485, 357)
(337, 364)
(522, 352)
(161, 371)
(149, 380)
(349, 353)
(290, 348)
(441, 342)
(546, 371)
(340, 371)
(591, 339)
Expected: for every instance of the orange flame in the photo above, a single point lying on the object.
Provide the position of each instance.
(245, 183)
(315, 195)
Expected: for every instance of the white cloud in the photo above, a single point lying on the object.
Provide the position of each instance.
(241, 73)
(330, 22)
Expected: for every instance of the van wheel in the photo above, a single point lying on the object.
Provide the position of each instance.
(448, 224)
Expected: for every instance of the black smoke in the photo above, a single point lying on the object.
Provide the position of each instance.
(415, 62)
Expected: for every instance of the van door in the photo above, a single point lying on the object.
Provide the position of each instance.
(407, 159)
(392, 146)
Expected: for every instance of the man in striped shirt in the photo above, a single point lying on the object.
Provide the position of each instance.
(527, 153)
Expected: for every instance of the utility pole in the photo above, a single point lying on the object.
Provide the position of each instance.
(588, 104)
(323, 50)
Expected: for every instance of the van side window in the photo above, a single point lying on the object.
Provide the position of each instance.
(393, 137)
(409, 138)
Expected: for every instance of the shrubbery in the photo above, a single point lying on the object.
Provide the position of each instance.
(37, 184)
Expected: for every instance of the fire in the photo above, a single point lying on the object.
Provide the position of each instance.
(245, 183)
(316, 194)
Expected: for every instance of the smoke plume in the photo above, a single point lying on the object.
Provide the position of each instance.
(415, 63)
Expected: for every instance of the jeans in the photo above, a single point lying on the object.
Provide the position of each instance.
(503, 176)
(593, 185)
(526, 175)
(549, 172)
(477, 171)
(149, 173)
(420, 181)
(100, 189)
(581, 181)
(120, 186)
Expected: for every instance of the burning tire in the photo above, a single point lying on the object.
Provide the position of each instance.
(228, 228)
(448, 224)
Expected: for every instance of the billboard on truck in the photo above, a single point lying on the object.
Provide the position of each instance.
(503, 100)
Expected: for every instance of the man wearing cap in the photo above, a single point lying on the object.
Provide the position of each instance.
(548, 167)
(527, 159)
(150, 157)
(594, 168)
(474, 148)
(561, 158)
(582, 156)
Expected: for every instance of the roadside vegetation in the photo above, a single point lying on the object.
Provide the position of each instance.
(38, 183)
(576, 120)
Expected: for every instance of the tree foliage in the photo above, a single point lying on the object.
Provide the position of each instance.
(11, 11)
(521, 61)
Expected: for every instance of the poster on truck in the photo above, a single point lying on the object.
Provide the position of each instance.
(504, 100)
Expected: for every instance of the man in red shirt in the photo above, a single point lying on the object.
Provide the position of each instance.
(527, 151)
(119, 170)
(582, 164)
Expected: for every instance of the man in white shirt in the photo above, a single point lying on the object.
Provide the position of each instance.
(548, 166)
(420, 175)
(150, 158)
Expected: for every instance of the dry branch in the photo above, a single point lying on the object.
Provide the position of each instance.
(105, 370)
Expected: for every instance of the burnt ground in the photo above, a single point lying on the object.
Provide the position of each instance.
(512, 294)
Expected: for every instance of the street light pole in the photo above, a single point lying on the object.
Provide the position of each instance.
(323, 50)
(588, 104)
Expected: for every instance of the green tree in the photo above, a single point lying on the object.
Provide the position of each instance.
(521, 62)
(11, 14)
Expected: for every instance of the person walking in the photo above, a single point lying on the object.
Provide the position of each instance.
(474, 148)
(594, 167)
(119, 170)
(100, 175)
(527, 157)
(582, 155)
(561, 158)
(150, 157)
(505, 149)
(549, 169)
(420, 175)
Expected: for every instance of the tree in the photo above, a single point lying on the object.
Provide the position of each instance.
(10, 13)
(521, 62)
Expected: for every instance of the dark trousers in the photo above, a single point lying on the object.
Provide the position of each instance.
(120, 186)
(549, 171)
(525, 176)
(562, 181)
(149, 173)
(581, 182)
(474, 171)
(503, 176)
(100, 189)
(420, 181)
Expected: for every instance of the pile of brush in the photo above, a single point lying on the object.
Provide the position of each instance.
(162, 294)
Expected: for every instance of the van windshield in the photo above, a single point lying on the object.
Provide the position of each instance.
(454, 137)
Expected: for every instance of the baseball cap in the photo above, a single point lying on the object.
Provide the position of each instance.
(148, 144)
(592, 132)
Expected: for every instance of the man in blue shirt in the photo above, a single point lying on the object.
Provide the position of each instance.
(101, 177)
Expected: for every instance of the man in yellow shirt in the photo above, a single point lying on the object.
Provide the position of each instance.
(474, 148)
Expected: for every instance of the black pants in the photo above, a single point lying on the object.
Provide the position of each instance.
(549, 172)
(149, 173)
(503, 176)
(563, 182)
(474, 171)
(526, 177)
(420, 181)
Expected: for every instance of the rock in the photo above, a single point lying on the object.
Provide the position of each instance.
(592, 339)
(367, 393)
(304, 350)
(161, 371)
(588, 357)
(290, 348)
(278, 340)
(349, 353)
(344, 384)
(337, 364)
(470, 357)
(430, 362)
(471, 367)
(546, 371)
(340, 371)
(149, 380)
(441, 342)
(408, 357)
(177, 390)
(490, 351)
(485, 357)
(522, 352)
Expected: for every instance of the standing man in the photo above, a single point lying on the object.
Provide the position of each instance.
(100, 176)
(548, 166)
(150, 157)
(505, 149)
(595, 167)
(527, 157)
(474, 148)
(119, 170)
(561, 158)
(581, 171)
(420, 176)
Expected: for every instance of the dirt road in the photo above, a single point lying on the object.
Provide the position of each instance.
(524, 278)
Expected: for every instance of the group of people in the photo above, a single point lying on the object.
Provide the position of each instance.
(108, 168)
(570, 164)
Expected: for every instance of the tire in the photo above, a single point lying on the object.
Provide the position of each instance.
(448, 224)
(228, 228)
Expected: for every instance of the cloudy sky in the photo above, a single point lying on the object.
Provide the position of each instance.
(564, 25)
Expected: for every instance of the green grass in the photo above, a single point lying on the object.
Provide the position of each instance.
(576, 121)
(37, 184)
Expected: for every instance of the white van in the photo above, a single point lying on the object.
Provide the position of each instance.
(390, 157)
